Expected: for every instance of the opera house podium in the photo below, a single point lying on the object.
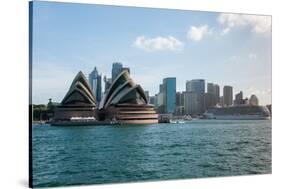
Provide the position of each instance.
(123, 103)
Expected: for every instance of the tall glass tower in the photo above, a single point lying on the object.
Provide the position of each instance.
(117, 68)
(95, 83)
(197, 86)
(169, 94)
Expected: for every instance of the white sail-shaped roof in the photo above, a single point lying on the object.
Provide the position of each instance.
(79, 92)
(123, 89)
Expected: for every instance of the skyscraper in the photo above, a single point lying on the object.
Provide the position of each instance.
(210, 88)
(197, 86)
(217, 94)
(179, 103)
(160, 103)
(209, 100)
(209, 97)
(238, 98)
(95, 83)
(107, 83)
(227, 96)
(117, 68)
(190, 103)
(160, 88)
(178, 98)
(169, 94)
(152, 100)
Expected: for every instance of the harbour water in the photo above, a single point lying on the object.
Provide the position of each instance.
(114, 154)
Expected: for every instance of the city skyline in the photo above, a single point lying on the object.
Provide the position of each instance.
(227, 49)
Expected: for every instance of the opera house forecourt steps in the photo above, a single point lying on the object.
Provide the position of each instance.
(123, 103)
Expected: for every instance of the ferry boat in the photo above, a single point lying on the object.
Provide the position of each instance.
(238, 112)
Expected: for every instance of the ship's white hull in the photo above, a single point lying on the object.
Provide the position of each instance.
(236, 117)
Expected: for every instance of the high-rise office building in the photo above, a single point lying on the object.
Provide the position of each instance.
(213, 89)
(95, 83)
(239, 98)
(107, 83)
(227, 95)
(160, 103)
(190, 103)
(152, 100)
(117, 68)
(210, 88)
(197, 86)
(160, 88)
(188, 86)
(209, 97)
(179, 103)
(178, 98)
(217, 94)
(169, 94)
(209, 100)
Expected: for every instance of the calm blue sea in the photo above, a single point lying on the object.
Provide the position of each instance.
(111, 154)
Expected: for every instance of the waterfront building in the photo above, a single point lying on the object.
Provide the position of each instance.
(107, 83)
(210, 88)
(95, 83)
(210, 97)
(238, 98)
(221, 101)
(117, 68)
(197, 86)
(178, 99)
(227, 95)
(169, 94)
(191, 103)
(126, 103)
(152, 100)
(254, 100)
(160, 103)
(156, 101)
(79, 101)
(209, 100)
(217, 94)
(161, 88)
(246, 101)
(214, 91)
(179, 103)
(188, 86)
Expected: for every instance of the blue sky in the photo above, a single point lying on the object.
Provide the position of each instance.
(227, 49)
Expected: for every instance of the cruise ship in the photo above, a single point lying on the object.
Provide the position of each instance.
(238, 112)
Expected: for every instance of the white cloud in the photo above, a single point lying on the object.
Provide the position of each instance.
(158, 43)
(197, 33)
(252, 56)
(257, 23)
(225, 31)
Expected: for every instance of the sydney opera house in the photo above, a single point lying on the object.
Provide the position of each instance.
(123, 103)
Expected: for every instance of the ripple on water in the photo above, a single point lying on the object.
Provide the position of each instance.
(93, 155)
